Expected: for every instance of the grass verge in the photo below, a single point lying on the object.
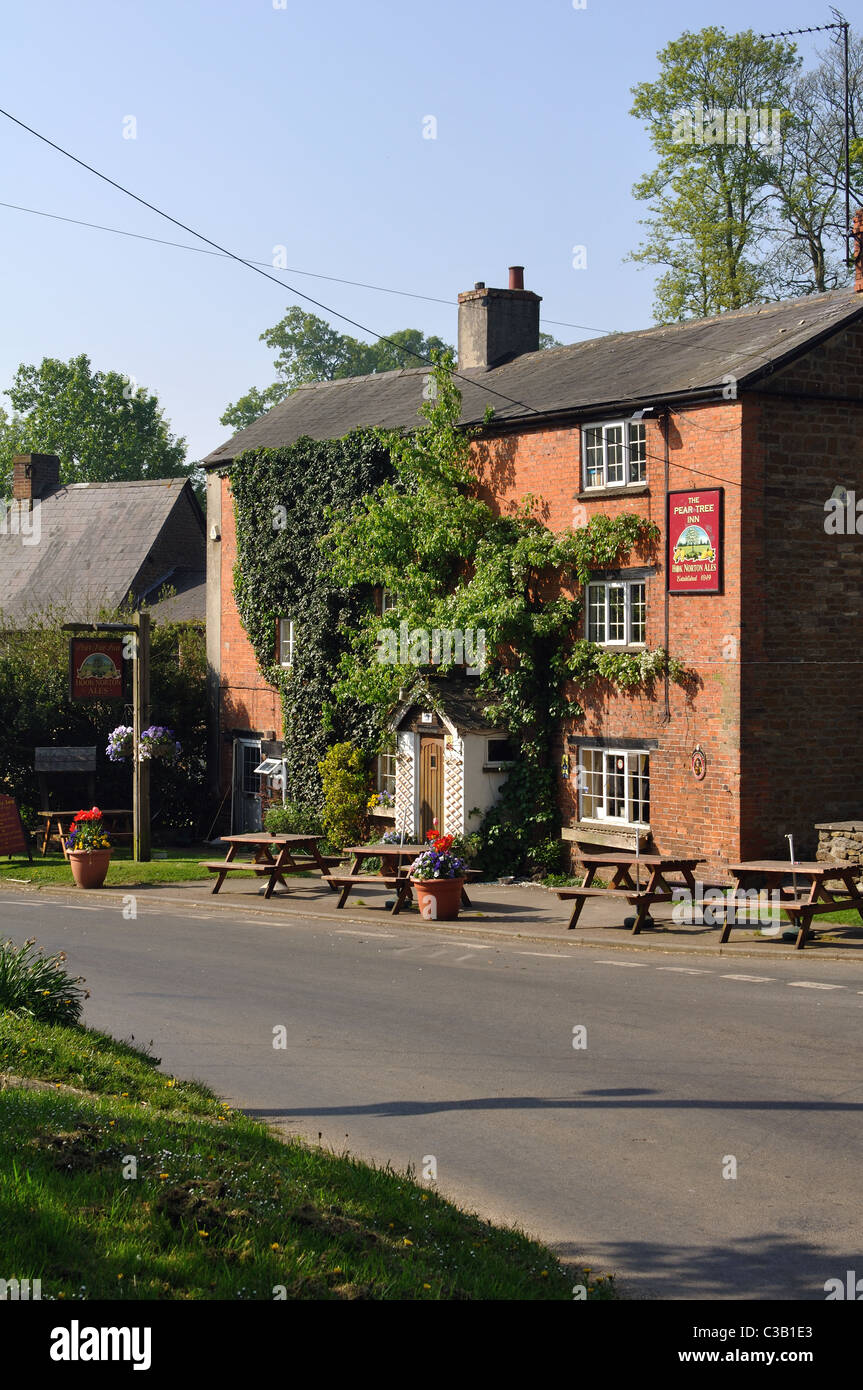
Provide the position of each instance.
(218, 1207)
(171, 866)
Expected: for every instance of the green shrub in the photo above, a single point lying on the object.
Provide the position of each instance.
(294, 818)
(37, 986)
(547, 855)
(346, 782)
(467, 847)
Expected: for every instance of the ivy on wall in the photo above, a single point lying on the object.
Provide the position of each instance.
(281, 497)
(322, 525)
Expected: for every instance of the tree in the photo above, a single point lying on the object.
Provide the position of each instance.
(308, 349)
(103, 427)
(709, 195)
(807, 176)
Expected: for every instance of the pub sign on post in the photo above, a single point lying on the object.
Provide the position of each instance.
(95, 668)
(695, 541)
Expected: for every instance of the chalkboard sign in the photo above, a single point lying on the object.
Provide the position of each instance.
(13, 840)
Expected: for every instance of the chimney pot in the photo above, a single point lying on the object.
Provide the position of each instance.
(480, 285)
(516, 277)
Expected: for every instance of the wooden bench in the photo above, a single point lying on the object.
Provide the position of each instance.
(642, 902)
(801, 914)
(347, 882)
(400, 882)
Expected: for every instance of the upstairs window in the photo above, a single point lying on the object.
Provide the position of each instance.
(614, 454)
(617, 613)
(286, 641)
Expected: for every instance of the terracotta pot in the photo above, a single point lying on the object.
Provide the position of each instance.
(89, 867)
(439, 899)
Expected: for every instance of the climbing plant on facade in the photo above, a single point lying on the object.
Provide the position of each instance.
(280, 499)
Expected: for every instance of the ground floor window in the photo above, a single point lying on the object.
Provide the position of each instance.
(614, 785)
(387, 768)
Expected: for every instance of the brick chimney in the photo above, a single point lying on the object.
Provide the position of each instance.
(497, 325)
(857, 233)
(33, 475)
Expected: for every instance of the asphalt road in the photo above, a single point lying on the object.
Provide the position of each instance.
(405, 1044)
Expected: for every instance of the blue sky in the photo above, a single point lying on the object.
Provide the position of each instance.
(302, 127)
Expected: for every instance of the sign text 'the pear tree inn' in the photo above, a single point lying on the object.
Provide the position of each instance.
(694, 540)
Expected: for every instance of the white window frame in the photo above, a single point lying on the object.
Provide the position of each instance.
(634, 433)
(386, 761)
(629, 755)
(627, 585)
(497, 762)
(292, 642)
(390, 602)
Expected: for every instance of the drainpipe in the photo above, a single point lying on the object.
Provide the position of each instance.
(666, 423)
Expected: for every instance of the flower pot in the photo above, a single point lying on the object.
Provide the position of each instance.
(439, 899)
(89, 867)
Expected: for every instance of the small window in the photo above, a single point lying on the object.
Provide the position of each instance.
(387, 768)
(617, 613)
(614, 455)
(286, 641)
(390, 602)
(500, 750)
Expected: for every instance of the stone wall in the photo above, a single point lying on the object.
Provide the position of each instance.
(841, 842)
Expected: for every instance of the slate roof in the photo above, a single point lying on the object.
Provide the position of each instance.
(622, 369)
(94, 539)
(454, 697)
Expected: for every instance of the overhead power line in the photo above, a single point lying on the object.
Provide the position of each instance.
(290, 270)
(257, 269)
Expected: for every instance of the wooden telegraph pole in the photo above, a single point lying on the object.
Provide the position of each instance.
(140, 721)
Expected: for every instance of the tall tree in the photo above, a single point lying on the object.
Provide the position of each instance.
(807, 175)
(103, 427)
(308, 349)
(710, 214)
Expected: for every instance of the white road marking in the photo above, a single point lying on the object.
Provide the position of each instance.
(752, 979)
(546, 955)
(368, 935)
(811, 984)
(629, 964)
(683, 970)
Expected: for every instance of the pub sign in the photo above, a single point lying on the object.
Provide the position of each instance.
(695, 541)
(96, 668)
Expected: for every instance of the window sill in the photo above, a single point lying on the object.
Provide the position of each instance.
(633, 649)
(497, 767)
(595, 494)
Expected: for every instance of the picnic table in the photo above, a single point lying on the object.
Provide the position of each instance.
(657, 889)
(395, 863)
(800, 904)
(58, 825)
(394, 872)
(297, 855)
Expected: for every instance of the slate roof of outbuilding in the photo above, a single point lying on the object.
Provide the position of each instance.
(94, 538)
(454, 697)
(622, 369)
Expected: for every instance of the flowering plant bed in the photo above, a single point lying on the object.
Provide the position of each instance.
(88, 832)
(438, 861)
(381, 801)
(88, 849)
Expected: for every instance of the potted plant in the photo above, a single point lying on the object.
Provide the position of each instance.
(438, 876)
(88, 849)
(157, 742)
(120, 742)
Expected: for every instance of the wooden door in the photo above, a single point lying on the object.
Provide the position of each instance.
(431, 785)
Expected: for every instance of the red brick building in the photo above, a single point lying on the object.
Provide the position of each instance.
(754, 416)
